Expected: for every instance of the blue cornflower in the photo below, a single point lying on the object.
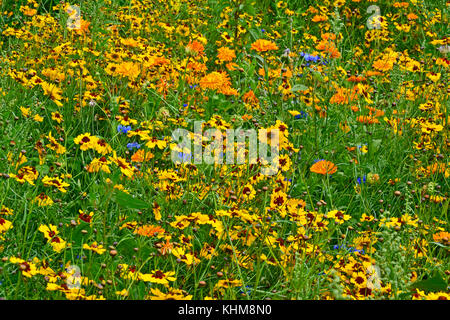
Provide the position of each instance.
(310, 57)
(302, 115)
(133, 145)
(123, 129)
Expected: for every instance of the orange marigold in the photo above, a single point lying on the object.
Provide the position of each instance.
(323, 167)
(195, 48)
(262, 45)
(225, 54)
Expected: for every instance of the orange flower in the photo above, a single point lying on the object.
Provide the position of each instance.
(383, 65)
(215, 80)
(323, 167)
(262, 45)
(442, 237)
(367, 119)
(319, 18)
(195, 48)
(329, 47)
(141, 156)
(225, 54)
(250, 97)
(149, 230)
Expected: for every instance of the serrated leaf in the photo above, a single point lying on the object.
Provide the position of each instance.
(128, 201)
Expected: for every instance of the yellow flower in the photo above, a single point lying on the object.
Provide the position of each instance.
(53, 92)
(5, 225)
(94, 247)
(122, 163)
(26, 112)
(86, 141)
(158, 276)
(56, 182)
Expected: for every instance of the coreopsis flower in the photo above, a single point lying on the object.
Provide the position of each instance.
(98, 164)
(262, 45)
(55, 145)
(55, 182)
(22, 159)
(366, 217)
(172, 294)
(158, 276)
(26, 174)
(26, 112)
(248, 192)
(43, 200)
(228, 283)
(58, 244)
(49, 231)
(101, 146)
(6, 211)
(434, 76)
(284, 162)
(53, 92)
(86, 217)
(126, 168)
(98, 248)
(323, 167)
(28, 269)
(155, 142)
(278, 201)
(5, 225)
(338, 216)
(86, 141)
(157, 211)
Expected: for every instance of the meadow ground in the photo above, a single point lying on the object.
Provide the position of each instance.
(93, 205)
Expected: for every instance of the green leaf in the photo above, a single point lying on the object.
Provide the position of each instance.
(436, 283)
(128, 201)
